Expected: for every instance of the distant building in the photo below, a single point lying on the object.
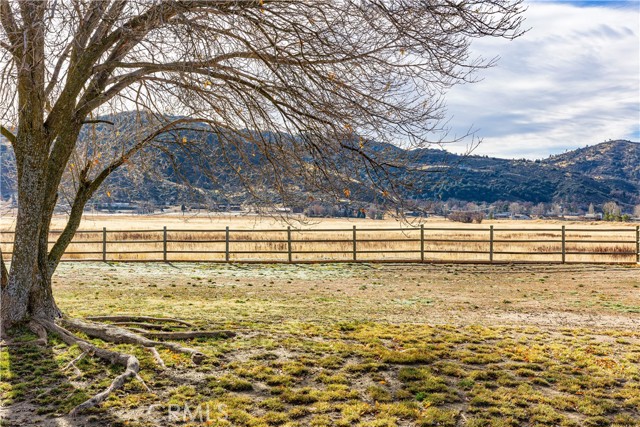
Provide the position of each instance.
(116, 206)
(502, 215)
(227, 207)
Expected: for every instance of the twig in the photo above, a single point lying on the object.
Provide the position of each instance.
(73, 362)
(157, 357)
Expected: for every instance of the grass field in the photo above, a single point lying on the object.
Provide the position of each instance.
(350, 344)
(202, 238)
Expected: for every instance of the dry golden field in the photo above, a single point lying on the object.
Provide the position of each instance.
(251, 238)
(366, 345)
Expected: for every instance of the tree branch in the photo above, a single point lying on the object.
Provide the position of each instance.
(8, 134)
(87, 188)
(86, 122)
(10, 27)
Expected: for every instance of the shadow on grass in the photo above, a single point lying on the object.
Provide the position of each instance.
(36, 390)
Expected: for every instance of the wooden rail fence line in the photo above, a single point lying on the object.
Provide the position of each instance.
(417, 244)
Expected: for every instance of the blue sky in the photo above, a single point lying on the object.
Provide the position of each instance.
(572, 80)
(595, 3)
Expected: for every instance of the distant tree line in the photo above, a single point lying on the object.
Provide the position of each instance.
(462, 211)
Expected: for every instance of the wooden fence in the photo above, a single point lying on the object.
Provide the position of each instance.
(420, 244)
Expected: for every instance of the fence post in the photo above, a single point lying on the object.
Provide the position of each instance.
(638, 244)
(164, 243)
(354, 244)
(491, 243)
(564, 244)
(104, 244)
(226, 244)
(422, 242)
(289, 243)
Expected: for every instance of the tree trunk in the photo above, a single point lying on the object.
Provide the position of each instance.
(14, 304)
(41, 302)
(28, 292)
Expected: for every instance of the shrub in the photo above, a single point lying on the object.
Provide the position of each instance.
(466, 217)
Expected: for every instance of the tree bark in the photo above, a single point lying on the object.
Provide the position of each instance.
(28, 290)
(4, 274)
(15, 297)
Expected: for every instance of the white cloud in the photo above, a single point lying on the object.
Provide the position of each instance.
(572, 80)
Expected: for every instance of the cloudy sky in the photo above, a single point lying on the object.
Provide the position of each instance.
(572, 80)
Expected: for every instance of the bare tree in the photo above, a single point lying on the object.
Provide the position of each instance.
(515, 208)
(306, 85)
(539, 210)
(611, 211)
(556, 210)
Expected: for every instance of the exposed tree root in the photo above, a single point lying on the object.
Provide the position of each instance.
(118, 335)
(73, 363)
(130, 362)
(138, 330)
(40, 331)
(152, 326)
(34, 327)
(140, 319)
(158, 358)
(189, 335)
(146, 387)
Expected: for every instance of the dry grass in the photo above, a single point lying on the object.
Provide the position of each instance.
(352, 345)
(203, 238)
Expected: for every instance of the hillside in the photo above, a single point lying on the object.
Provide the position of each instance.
(611, 160)
(594, 174)
(606, 171)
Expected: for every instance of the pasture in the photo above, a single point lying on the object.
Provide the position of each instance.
(350, 344)
(219, 238)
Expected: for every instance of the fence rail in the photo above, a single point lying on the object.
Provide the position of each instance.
(419, 244)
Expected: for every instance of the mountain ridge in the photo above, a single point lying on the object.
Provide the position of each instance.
(593, 174)
(607, 171)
